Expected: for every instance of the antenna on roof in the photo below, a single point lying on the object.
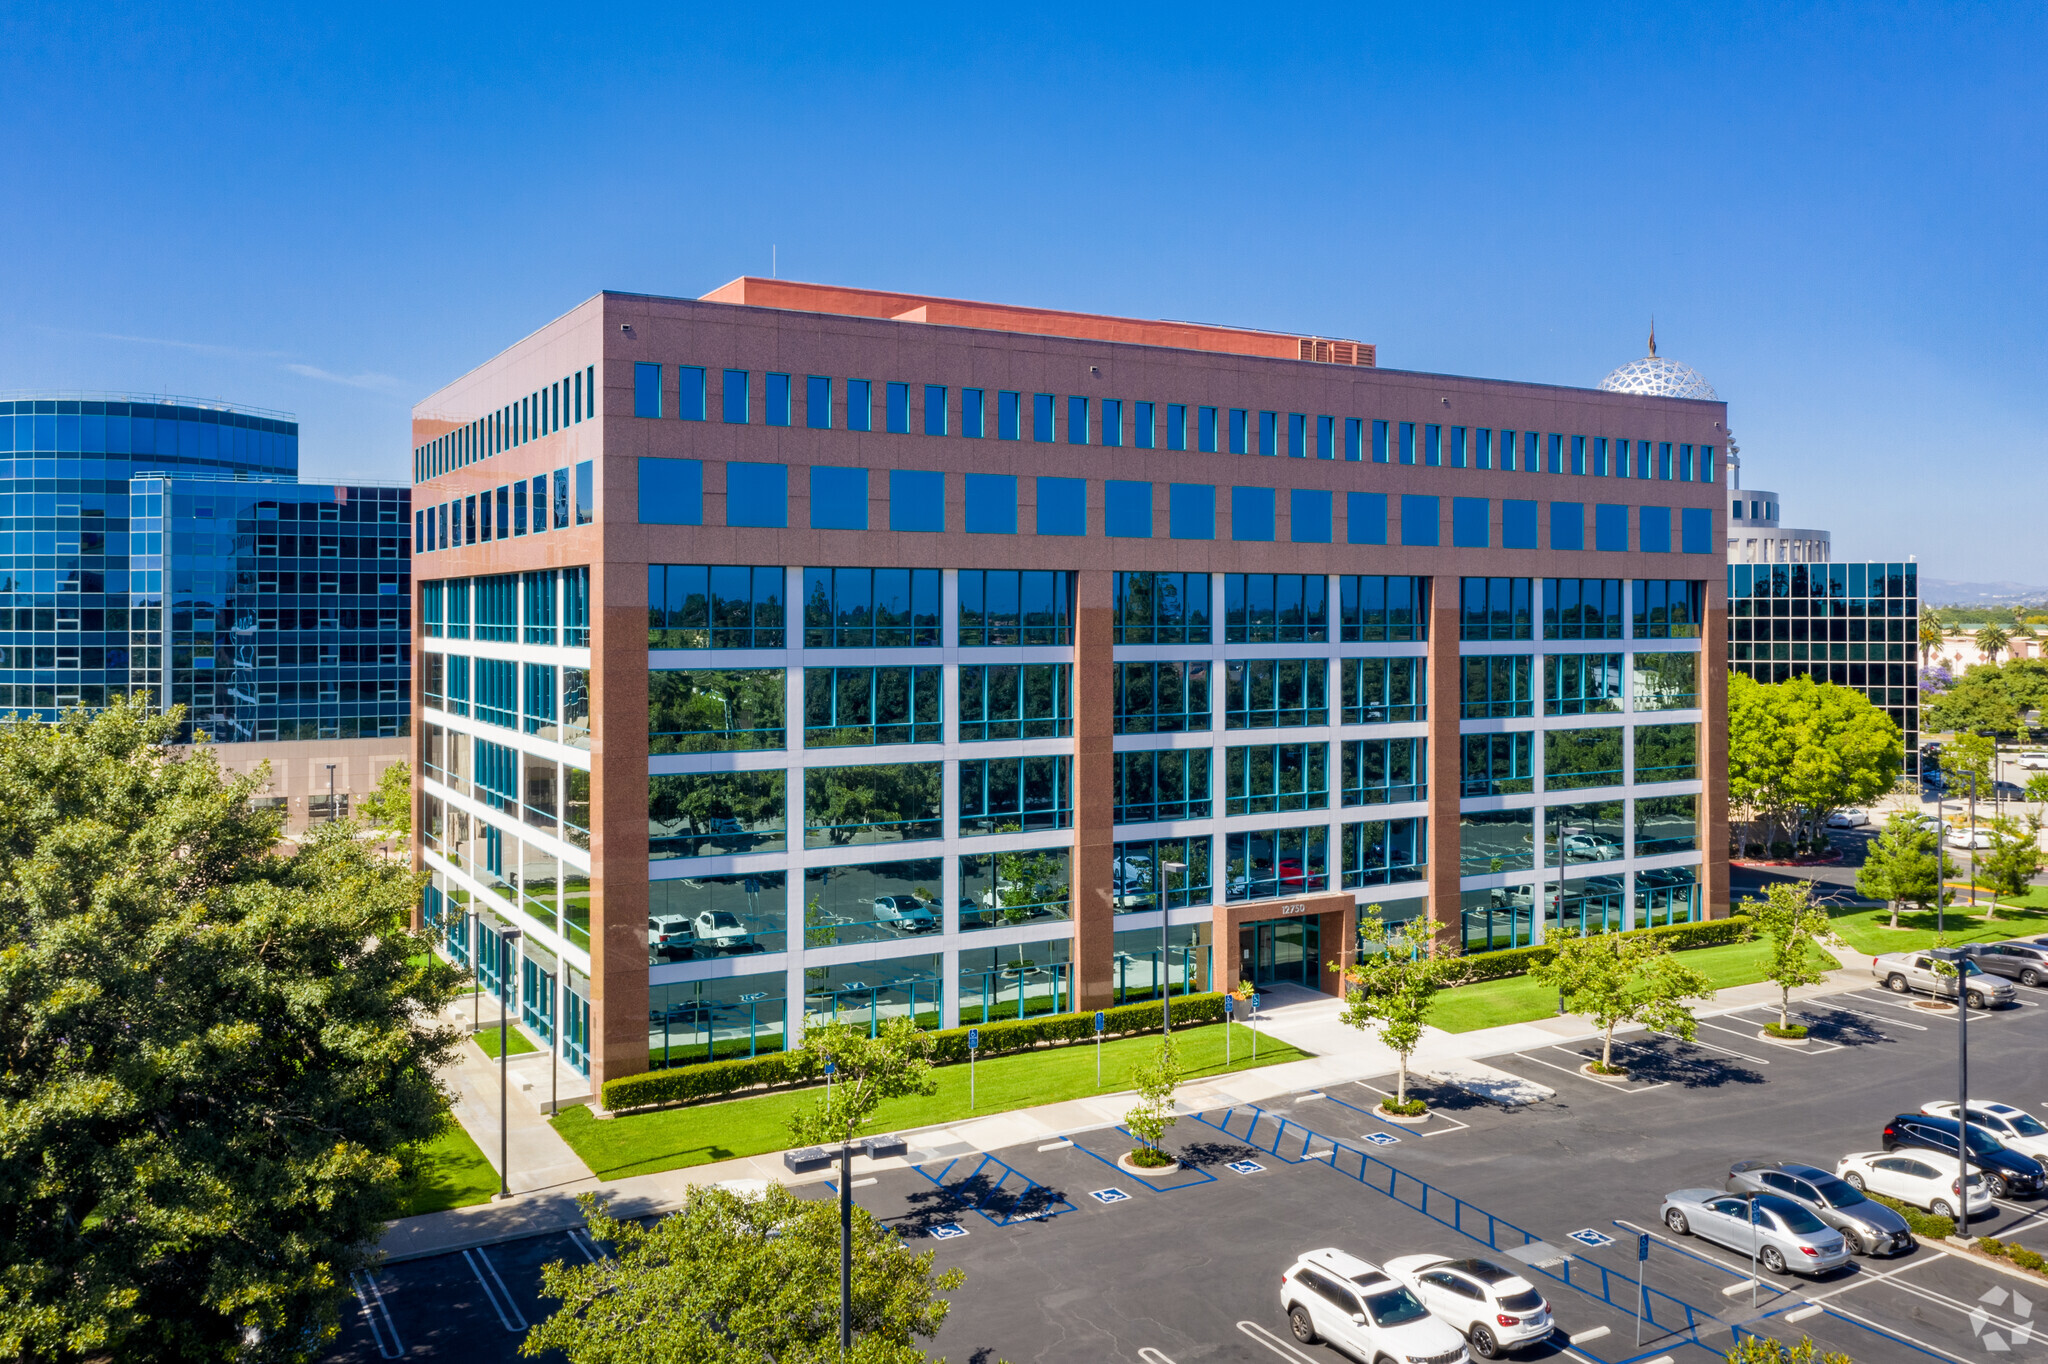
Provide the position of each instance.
(1653, 336)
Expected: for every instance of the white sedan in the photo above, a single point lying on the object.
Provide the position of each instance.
(1495, 1307)
(1917, 1177)
(2016, 1128)
(1965, 836)
(1849, 819)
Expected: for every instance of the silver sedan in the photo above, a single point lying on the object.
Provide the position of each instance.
(1784, 1237)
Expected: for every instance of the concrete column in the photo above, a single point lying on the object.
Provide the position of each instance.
(1444, 760)
(1094, 832)
(1713, 751)
(618, 818)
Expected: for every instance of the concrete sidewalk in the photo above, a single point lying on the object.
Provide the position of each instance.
(548, 1176)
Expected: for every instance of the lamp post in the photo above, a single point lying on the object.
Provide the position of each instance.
(1973, 858)
(1166, 870)
(1960, 961)
(330, 793)
(1940, 863)
(509, 940)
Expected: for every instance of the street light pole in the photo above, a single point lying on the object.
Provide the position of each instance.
(1940, 863)
(1973, 854)
(509, 938)
(1166, 869)
(1959, 961)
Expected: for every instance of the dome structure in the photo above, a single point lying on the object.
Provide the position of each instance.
(1657, 376)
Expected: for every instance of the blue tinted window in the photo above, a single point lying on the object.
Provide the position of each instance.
(1706, 464)
(1653, 530)
(897, 413)
(1144, 419)
(1420, 518)
(1578, 454)
(1432, 444)
(1406, 453)
(1685, 464)
(1251, 513)
(1240, 431)
(839, 498)
(860, 405)
(1127, 509)
(1697, 524)
(1269, 433)
(971, 412)
(1365, 518)
(1664, 460)
(1517, 524)
(1643, 449)
(1469, 522)
(818, 403)
(1556, 453)
(1041, 418)
(935, 409)
(1062, 506)
(586, 492)
(1457, 450)
(1113, 422)
(671, 494)
(1354, 438)
(1176, 426)
(1599, 456)
(1380, 442)
(776, 396)
(1567, 525)
(736, 397)
(1205, 433)
(917, 500)
(1008, 416)
(991, 504)
(1308, 515)
(646, 390)
(1610, 527)
(1191, 511)
(756, 494)
(1482, 447)
(1326, 438)
(1532, 452)
(1297, 436)
(1077, 421)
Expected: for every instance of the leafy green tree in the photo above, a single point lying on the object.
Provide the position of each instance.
(1900, 865)
(1029, 884)
(1992, 641)
(219, 1051)
(2037, 788)
(1967, 756)
(1391, 986)
(1800, 750)
(714, 710)
(896, 1061)
(1755, 1349)
(843, 799)
(1932, 632)
(1155, 1080)
(1981, 701)
(1616, 978)
(1794, 924)
(389, 807)
(2012, 862)
(733, 1278)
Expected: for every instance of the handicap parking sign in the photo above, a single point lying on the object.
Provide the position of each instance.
(1245, 1167)
(1108, 1195)
(946, 1231)
(1589, 1237)
(1382, 1138)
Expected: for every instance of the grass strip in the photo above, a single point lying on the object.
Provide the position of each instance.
(1869, 931)
(675, 1138)
(517, 1043)
(452, 1173)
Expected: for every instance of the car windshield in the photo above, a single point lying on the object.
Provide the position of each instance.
(2025, 1124)
(1982, 1143)
(1394, 1307)
(1528, 1301)
(1838, 1193)
(723, 919)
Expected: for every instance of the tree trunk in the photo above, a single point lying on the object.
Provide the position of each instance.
(1895, 913)
(1784, 1007)
(1401, 1084)
(1607, 1048)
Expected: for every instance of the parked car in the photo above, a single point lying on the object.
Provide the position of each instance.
(2022, 959)
(1867, 1226)
(671, 936)
(2005, 1172)
(1903, 972)
(1968, 836)
(2006, 790)
(905, 914)
(1849, 819)
(2015, 1128)
(721, 930)
(1784, 1237)
(1591, 847)
(1493, 1305)
(1356, 1306)
(2034, 761)
(1912, 1179)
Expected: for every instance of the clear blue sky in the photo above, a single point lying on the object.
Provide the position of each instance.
(1835, 213)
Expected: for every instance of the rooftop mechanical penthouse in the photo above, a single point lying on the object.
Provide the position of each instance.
(802, 651)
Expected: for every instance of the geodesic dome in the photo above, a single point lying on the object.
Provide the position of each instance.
(1657, 377)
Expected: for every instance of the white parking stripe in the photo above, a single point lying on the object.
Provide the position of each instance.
(501, 1301)
(1879, 1018)
(383, 1330)
(1709, 1046)
(1272, 1342)
(1892, 1002)
(1567, 1070)
(1894, 1331)
(1790, 1051)
(581, 1240)
(1455, 1125)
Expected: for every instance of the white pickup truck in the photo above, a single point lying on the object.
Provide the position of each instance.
(1904, 972)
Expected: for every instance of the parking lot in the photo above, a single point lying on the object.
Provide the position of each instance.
(1069, 1258)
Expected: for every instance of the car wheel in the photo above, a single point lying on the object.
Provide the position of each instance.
(1854, 1181)
(2030, 977)
(1772, 1259)
(1482, 1342)
(1676, 1221)
(1853, 1243)
(1896, 983)
(1976, 1000)
(1997, 1186)
(1304, 1329)
(1940, 1208)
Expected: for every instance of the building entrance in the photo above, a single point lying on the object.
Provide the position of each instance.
(1288, 950)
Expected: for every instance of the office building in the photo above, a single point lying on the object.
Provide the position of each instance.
(166, 546)
(804, 652)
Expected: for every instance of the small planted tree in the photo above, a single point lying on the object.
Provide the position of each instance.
(1155, 1080)
(1616, 978)
(1755, 1349)
(2013, 861)
(1900, 866)
(1389, 989)
(1793, 923)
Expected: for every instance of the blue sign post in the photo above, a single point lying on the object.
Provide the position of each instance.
(973, 1045)
(1101, 1022)
(1642, 1294)
(1254, 1001)
(1229, 1017)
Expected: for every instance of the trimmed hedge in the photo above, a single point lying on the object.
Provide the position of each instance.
(1516, 961)
(1923, 1223)
(717, 1079)
(2015, 1252)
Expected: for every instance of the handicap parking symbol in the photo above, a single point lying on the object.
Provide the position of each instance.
(1382, 1138)
(1245, 1167)
(946, 1231)
(1108, 1195)
(1589, 1237)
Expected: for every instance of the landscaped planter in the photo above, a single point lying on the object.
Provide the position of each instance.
(1123, 1162)
(1405, 1119)
(1778, 1041)
(1617, 1078)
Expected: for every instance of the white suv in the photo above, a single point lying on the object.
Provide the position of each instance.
(1358, 1307)
(1493, 1305)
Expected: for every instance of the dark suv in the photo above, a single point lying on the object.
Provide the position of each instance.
(2006, 1171)
(2022, 959)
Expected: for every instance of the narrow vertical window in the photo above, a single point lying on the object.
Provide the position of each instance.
(818, 403)
(1599, 456)
(1578, 454)
(1354, 438)
(1077, 421)
(1432, 444)
(1685, 464)
(1326, 438)
(1041, 418)
(776, 397)
(1482, 447)
(1113, 422)
(971, 412)
(1457, 451)
(1297, 436)
(860, 405)
(690, 393)
(1143, 418)
(1269, 433)
(736, 397)
(1240, 431)
(935, 409)
(896, 409)
(1009, 416)
(1664, 460)
(646, 390)
(1176, 426)
(577, 398)
(1205, 432)
(1379, 442)
(1407, 450)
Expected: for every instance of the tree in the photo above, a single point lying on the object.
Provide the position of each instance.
(1970, 755)
(219, 1051)
(2013, 860)
(733, 1278)
(389, 807)
(1932, 632)
(1391, 987)
(1756, 1349)
(1616, 978)
(1155, 1080)
(1900, 865)
(1800, 750)
(2037, 788)
(1793, 923)
(1981, 701)
(1991, 641)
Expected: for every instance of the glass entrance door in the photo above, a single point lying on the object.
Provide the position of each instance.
(1282, 950)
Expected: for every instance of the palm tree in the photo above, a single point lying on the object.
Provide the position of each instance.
(1991, 641)
(1932, 632)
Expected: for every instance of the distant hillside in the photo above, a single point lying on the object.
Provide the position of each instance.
(1942, 592)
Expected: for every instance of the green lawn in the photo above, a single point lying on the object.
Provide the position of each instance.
(517, 1043)
(643, 1143)
(453, 1174)
(1868, 930)
(1519, 999)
